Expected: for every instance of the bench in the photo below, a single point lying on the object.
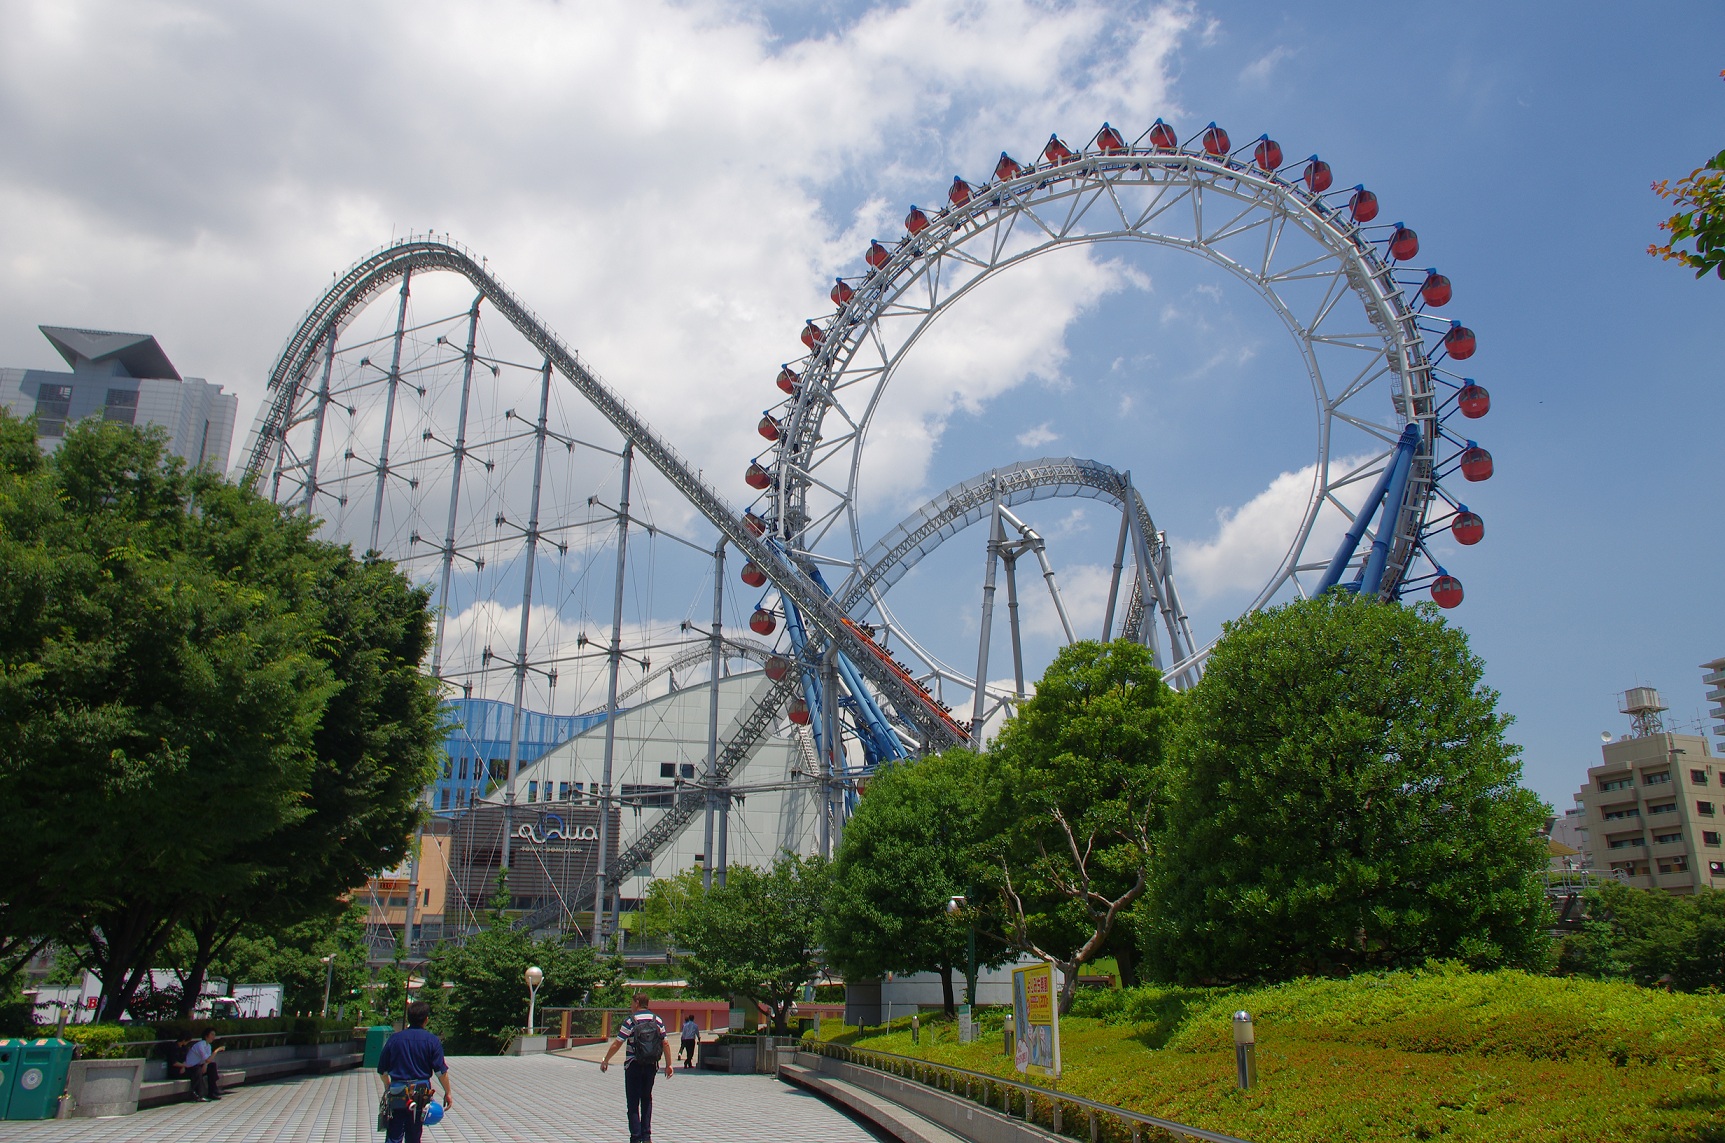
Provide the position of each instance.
(158, 1092)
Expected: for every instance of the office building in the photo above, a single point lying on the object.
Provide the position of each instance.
(122, 377)
(1655, 805)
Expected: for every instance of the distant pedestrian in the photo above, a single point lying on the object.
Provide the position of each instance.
(691, 1036)
(201, 1068)
(645, 1039)
(410, 1058)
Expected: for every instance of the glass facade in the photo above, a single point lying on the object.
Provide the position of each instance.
(476, 750)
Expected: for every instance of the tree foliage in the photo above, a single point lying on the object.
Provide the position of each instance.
(1080, 796)
(1650, 937)
(757, 936)
(1700, 218)
(918, 839)
(1346, 800)
(207, 717)
(488, 1003)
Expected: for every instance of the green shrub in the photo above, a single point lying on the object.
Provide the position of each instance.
(107, 1041)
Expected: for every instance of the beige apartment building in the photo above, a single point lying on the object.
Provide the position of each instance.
(1655, 806)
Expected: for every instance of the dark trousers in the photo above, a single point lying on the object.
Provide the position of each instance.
(689, 1053)
(404, 1128)
(638, 1076)
(206, 1079)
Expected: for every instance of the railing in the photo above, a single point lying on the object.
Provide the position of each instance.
(133, 1049)
(1037, 1106)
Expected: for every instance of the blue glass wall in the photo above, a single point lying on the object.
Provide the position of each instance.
(476, 750)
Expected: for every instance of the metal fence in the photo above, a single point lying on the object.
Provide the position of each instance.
(1071, 1116)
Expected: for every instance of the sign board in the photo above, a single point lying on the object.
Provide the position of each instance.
(1036, 1020)
(966, 1028)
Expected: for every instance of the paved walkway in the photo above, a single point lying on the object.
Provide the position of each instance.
(532, 1099)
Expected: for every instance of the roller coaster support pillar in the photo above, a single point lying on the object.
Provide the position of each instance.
(1391, 514)
(1351, 540)
(1146, 582)
(389, 409)
(529, 554)
(830, 764)
(981, 698)
(712, 768)
(454, 484)
(1039, 549)
(880, 744)
(1010, 561)
(1119, 565)
(605, 798)
(317, 425)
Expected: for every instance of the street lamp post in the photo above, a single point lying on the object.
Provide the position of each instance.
(328, 979)
(954, 907)
(534, 977)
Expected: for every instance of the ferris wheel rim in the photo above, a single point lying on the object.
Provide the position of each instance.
(1360, 269)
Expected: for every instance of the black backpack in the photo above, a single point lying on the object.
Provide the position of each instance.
(646, 1037)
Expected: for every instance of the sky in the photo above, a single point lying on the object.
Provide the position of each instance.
(673, 186)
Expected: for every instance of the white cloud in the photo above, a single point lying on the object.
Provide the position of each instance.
(1038, 436)
(1260, 70)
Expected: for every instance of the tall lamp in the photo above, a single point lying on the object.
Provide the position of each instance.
(954, 907)
(535, 977)
(328, 979)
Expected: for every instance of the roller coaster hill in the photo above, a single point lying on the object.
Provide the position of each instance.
(422, 410)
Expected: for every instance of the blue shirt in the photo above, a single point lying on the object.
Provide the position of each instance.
(200, 1051)
(412, 1054)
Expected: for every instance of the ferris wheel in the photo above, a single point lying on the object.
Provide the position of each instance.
(1380, 364)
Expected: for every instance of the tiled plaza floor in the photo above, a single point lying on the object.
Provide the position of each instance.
(532, 1099)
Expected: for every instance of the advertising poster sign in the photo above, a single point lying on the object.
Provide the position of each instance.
(1035, 1020)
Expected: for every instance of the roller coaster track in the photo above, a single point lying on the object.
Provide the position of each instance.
(339, 304)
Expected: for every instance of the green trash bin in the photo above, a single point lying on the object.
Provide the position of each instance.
(38, 1078)
(9, 1050)
(375, 1037)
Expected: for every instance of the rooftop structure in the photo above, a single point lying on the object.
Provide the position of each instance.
(122, 377)
(1714, 677)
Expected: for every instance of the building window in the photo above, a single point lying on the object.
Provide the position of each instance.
(448, 767)
(1709, 837)
(462, 774)
(533, 791)
(667, 769)
(1666, 838)
(1698, 777)
(1705, 809)
(1673, 865)
(497, 766)
(443, 800)
(122, 406)
(1660, 779)
(53, 407)
(1626, 842)
(1667, 808)
(1614, 815)
(1716, 868)
(1617, 784)
(563, 791)
(688, 769)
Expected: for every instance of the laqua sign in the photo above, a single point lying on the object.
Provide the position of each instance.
(544, 830)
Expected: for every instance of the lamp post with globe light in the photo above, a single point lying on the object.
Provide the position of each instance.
(535, 976)
(328, 979)
(954, 907)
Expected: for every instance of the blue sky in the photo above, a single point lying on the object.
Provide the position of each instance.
(674, 185)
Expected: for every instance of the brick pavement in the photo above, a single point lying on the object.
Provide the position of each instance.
(532, 1099)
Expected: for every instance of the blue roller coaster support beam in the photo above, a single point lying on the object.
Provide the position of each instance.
(880, 744)
(1345, 551)
(811, 686)
(1372, 579)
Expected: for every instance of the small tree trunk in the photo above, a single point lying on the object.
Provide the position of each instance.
(946, 990)
(1068, 983)
(1126, 956)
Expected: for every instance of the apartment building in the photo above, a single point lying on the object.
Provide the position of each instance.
(1713, 677)
(1655, 805)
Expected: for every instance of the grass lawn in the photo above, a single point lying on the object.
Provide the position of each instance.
(1437, 1054)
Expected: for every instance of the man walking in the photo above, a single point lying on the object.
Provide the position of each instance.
(645, 1041)
(691, 1034)
(410, 1058)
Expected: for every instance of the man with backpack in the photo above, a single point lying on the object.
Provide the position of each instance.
(642, 1036)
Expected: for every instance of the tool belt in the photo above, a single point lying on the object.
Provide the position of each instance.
(405, 1095)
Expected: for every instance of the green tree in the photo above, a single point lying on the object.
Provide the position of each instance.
(1346, 800)
(1078, 773)
(917, 840)
(488, 1003)
(1700, 218)
(1649, 936)
(207, 717)
(757, 936)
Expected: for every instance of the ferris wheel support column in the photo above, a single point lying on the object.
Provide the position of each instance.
(455, 486)
(616, 656)
(712, 769)
(530, 554)
(981, 696)
(317, 424)
(389, 409)
(1372, 574)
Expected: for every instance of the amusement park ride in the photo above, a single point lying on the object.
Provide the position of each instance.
(395, 431)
